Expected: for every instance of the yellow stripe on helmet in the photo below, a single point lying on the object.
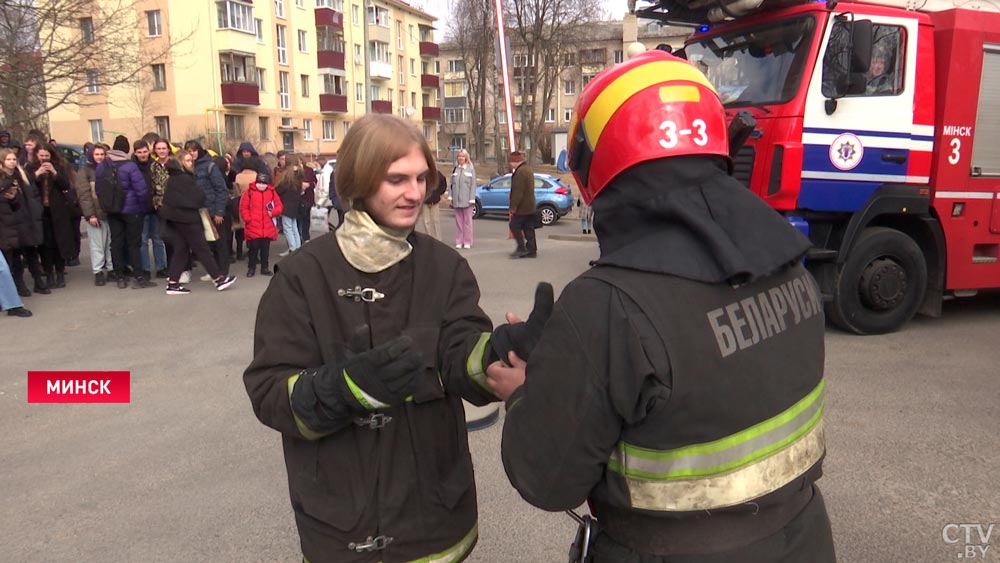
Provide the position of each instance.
(630, 83)
(670, 94)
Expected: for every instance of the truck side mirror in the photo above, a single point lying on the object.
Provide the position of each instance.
(861, 45)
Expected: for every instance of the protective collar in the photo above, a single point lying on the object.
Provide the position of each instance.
(370, 247)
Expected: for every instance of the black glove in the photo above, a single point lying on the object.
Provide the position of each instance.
(522, 337)
(329, 397)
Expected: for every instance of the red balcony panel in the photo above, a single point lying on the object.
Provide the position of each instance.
(428, 49)
(240, 94)
(381, 106)
(430, 81)
(329, 17)
(332, 103)
(432, 113)
(330, 59)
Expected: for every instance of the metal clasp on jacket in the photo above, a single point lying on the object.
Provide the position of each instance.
(374, 421)
(376, 543)
(368, 294)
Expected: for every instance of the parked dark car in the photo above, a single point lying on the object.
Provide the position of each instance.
(553, 198)
(72, 153)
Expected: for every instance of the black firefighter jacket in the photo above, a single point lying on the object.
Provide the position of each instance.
(412, 479)
(685, 333)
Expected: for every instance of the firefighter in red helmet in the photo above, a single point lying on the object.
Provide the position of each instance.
(676, 386)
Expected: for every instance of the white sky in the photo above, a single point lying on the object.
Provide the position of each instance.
(441, 9)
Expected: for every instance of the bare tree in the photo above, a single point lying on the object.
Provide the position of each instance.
(472, 29)
(543, 33)
(54, 51)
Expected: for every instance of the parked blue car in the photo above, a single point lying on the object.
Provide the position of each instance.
(553, 198)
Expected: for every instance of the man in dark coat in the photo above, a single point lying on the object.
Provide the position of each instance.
(126, 225)
(212, 181)
(522, 206)
(247, 158)
(677, 387)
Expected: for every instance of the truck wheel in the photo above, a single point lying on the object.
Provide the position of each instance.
(881, 284)
(548, 214)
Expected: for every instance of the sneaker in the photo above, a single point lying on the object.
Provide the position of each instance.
(285, 253)
(466, 246)
(122, 282)
(99, 279)
(265, 272)
(224, 281)
(177, 289)
(458, 246)
(185, 277)
(206, 277)
(18, 312)
(142, 283)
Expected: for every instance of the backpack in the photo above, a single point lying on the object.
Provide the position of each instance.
(110, 194)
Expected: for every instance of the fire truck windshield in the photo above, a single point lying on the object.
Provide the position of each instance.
(756, 66)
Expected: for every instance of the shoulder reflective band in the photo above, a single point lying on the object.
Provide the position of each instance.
(728, 471)
(477, 357)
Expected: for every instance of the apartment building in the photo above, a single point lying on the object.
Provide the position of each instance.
(284, 74)
(605, 45)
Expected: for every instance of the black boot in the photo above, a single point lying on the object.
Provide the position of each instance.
(519, 237)
(50, 281)
(99, 279)
(60, 280)
(264, 271)
(251, 272)
(22, 289)
(40, 286)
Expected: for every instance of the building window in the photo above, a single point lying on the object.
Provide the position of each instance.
(413, 67)
(402, 71)
(92, 85)
(237, 68)
(359, 93)
(307, 129)
(234, 126)
(569, 87)
(303, 43)
(282, 45)
(400, 39)
(233, 15)
(377, 15)
(87, 29)
(454, 89)
(159, 77)
(300, 3)
(162, 126)
(283, 95)
(456, 65)
(502, 117)
(550, 115)
(376, 93)
(427, 132)
(410, 33)
(329, 39)
(458, 142)
(304, 81)
(619, 56)
(264, 129)
(379, 52)
(279, 8)
(358, 58)
(593, 56)
(355, 14)
(96, 130)
(454, 115)
(261, 80)
(567, 115)
(587, 78)
(153, 23)
(329, 130)
(333, 84)
(258, 25)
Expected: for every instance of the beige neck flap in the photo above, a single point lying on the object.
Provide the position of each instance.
(369, 247)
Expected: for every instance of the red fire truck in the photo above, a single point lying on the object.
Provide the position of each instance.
(877, 135)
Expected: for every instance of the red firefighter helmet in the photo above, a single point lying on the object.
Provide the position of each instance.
(653, 105)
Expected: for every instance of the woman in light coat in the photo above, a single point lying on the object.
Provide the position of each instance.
(462, 195)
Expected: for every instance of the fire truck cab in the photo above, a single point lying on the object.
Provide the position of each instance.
(877, 135)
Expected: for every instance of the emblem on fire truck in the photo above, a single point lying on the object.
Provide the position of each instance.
(846, 151)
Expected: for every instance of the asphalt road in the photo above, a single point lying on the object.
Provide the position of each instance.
(186, 473)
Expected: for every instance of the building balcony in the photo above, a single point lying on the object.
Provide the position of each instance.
(431, 113)
(430, 81)
(380, 71)
(330, 59)
(240, 94)
(429, 49)
(332, 103)
(329, 17)
(382, 106)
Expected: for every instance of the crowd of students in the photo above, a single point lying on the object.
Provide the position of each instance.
(153, 213)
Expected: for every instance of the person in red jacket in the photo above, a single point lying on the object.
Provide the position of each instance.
(258, 207)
